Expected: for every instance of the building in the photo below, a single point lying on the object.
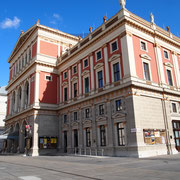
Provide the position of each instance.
(3, 107)
(116, 92)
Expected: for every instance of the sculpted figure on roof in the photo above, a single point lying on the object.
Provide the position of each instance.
(122, 3)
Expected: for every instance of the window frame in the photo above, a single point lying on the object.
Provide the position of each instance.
(170, 70)
(84, 63)
(87, 114)
(65, 72)
(88, 137)
(46, 75)
(75, 116)
(118, 108)
(65, 119)
(112, 51)
(102, 130)
(85, 85)
(74, 89)
(176, 107)
(101, 109)
(100, 50)
(120, 136)
(75, 66)
(146, 45)
(65, 99)
(164, 50)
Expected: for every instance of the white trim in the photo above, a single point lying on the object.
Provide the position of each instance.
(100, 50)
(164, 50)
(47, 75)
(116, 40)
(73, 69)
(146, 45)
(98, 70)
(84, 61)
(149, 66)
(170, 69)
(112, 70)
(177, 108)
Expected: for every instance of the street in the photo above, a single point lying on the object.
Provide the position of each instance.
(73, 167)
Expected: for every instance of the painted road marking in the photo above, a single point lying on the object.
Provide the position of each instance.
(29, 178)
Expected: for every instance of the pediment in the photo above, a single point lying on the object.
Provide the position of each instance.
(87, 121)
(114, 57)
(101, 118)
(64, 83)
(168, 64)
(145, 56)
(85, 72)
(99, 65)
(118, 115)
(21, 40)
(74, 78)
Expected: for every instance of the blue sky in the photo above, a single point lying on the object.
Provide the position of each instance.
(73, 17)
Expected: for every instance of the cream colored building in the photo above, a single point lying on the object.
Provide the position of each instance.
(116, 92)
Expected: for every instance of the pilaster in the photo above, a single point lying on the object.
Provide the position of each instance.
(69, 81)
(128, 55)
(106, 65)
(36, 96)
(80, 83)
(92, 72)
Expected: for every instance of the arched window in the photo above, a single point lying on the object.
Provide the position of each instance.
(13, 103)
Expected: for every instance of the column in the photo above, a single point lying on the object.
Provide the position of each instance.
(176, 68)
(128, 56)
(69, 135)
(106, 64)
(92, 72)
(60, 88)
(159, 63)
(35, 137)
(80, 83)
(36, 96)
(69, 81)
(60, 138)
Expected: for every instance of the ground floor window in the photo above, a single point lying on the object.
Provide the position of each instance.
(176, 129)
(121, 134)
(103, 135)
(154, 136)
(48, 142)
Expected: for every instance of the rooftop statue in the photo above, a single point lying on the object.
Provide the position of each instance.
(122, 3)
(152, 18)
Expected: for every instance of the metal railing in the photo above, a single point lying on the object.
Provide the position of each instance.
(88, 151)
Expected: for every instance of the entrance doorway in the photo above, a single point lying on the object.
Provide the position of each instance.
(176, 130)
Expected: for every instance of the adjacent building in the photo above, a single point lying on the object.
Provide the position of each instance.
(3, 107)
(116, 92)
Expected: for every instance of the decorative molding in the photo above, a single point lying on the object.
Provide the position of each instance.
(145, 56)
(64, 83)
(168, 64)
(74, 78)
(99, 65)
(114, 57)
(85, 72)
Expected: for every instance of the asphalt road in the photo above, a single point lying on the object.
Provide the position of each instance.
(90, 168)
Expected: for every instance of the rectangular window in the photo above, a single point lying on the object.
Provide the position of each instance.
(116, 72)
(118, 105)
(102, 135)
(65, 75)
(98, 55)
(75, 89)
(86, 85)
(166, 55)
(29, 54)
(74, 69)
(65, 119)
(48, 78)
(101, 109)
(146, 71)
(121, 134)
(87, 113)
(86, 63)
(169, 77)
(75, 116)
(100, 79)
(143, 46)
(114, 46)
(88, 137)
(65, 94)
(174, 108)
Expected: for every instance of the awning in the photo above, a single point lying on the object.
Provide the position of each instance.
(8, 136)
